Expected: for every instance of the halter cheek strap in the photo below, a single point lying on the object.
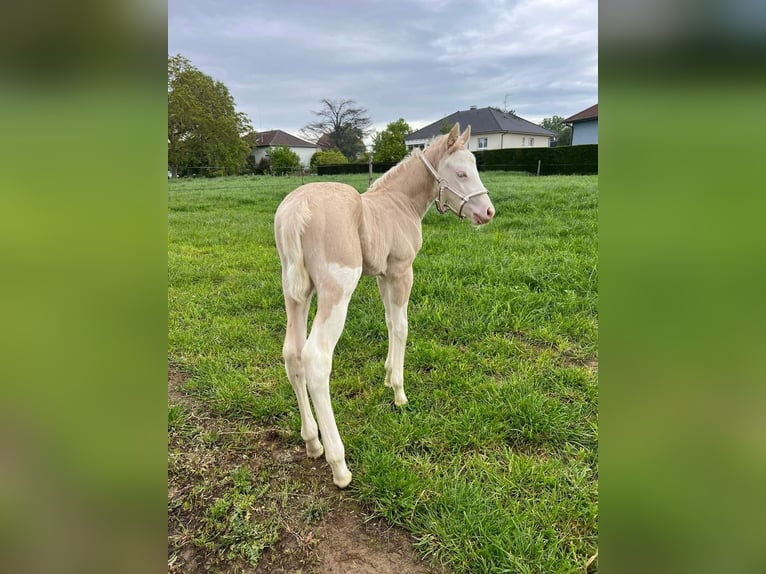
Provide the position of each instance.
(443, 206)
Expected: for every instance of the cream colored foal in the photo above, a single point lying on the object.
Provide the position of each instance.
(328, 235)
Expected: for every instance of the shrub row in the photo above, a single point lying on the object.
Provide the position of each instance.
(377, 167)
(565, 160)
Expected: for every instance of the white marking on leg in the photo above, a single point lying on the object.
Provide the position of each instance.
(395, 292)
(346, 277)
(398, 338)
(317, 362)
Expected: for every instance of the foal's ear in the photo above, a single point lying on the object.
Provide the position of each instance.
(453, 135)
(465, 136)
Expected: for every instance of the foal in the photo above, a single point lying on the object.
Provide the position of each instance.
(328, 235)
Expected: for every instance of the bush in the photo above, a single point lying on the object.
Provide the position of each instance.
(329, 157)
(283, 160)
(353, 168)
(567, 160)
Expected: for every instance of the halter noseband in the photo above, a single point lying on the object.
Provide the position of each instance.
(443, 206)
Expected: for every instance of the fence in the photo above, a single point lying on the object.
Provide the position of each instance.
(377, 167)
(565, 160)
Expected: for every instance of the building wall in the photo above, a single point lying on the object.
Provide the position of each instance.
(494, 141)
(585, 132)
(508, 140)
(305, 154)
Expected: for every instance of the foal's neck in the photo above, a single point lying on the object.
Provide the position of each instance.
(411, 183)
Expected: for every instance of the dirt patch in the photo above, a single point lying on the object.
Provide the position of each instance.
(244, 498)
(351, 545)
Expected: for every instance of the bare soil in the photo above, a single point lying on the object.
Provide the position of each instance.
(315, 527)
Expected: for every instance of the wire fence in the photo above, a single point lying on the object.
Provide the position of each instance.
(541, 168)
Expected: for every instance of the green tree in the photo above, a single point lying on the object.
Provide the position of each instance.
(329, 157)
(343, 122)
(204, 128)
(556, 125)
(388, 145)
(250, 166)
(283, 159)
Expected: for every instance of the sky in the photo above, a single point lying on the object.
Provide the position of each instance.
(414, 59)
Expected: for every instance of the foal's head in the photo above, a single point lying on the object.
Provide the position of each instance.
(458, 168)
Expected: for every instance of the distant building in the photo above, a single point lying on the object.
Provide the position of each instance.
(324, 143)
(490, 129)
(584, 126)
(275, 138)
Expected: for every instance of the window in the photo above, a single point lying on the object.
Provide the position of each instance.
(531, 141)
(482, 143)
(523, 141)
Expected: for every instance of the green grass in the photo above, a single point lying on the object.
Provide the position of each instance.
(493, 463)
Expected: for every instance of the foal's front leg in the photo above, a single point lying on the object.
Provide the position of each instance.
(395, 292)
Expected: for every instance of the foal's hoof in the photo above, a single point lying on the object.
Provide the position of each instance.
(343, 481)
(314, 450)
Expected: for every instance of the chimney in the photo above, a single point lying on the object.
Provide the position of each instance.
(473, 107)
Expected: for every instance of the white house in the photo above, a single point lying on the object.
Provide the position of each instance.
(274, 138)
(584, 126)
(491, 128)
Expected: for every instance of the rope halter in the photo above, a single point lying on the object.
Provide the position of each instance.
(443, 206)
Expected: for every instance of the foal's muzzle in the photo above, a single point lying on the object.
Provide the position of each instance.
(443, 206)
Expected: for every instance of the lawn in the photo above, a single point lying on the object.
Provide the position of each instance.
(492, 465)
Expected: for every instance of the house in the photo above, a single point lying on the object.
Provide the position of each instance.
(274, 138)
(584, 126)
(491, 128)
(324, 143)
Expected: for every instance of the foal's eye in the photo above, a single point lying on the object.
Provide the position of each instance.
(461, 174)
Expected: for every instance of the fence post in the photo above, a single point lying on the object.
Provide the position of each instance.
(369, 182)
(538, 166)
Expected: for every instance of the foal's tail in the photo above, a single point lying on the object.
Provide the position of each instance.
(289, 225)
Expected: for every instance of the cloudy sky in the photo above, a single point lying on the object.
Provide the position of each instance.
(415, 59)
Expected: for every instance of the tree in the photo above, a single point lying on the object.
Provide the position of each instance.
(251, 140)
(329, 157)
(557, 126)
(283, 159)
(343, 123)
(388, 145)
(204, 128)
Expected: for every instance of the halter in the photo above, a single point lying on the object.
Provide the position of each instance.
(443, 206)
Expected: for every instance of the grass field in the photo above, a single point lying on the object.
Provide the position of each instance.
(492, 465)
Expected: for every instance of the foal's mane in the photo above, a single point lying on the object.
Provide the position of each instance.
(401, 168)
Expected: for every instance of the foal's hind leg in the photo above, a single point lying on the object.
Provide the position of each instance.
(395, 292)
(332, 306)
(295, 340)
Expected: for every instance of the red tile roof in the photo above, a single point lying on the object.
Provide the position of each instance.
(278, 137)
(590, 113)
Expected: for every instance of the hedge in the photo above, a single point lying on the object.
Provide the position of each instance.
(377, 167)
(564, 160)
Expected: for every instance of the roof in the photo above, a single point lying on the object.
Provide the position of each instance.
(590, 113)
(482, 121)
(278, 137)
(324, 143)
